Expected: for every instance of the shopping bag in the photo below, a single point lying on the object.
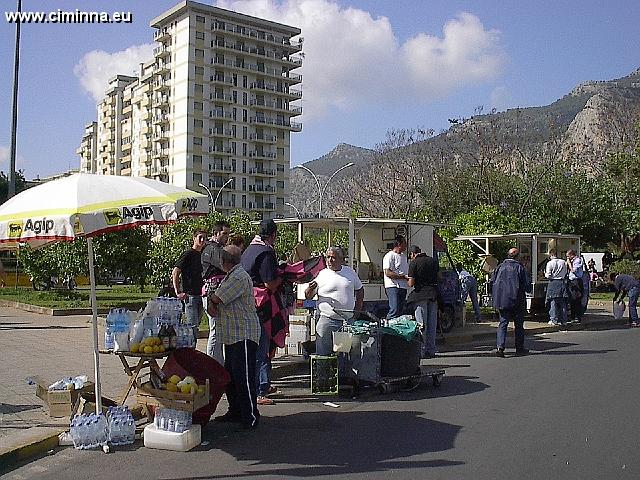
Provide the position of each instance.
(618, 309)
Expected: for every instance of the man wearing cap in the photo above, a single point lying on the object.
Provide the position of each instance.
(260, 261)
(510, 284)
(423, 277)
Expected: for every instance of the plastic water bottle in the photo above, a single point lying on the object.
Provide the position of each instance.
(109, 330)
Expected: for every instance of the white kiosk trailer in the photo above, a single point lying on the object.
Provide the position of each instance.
(534, 254)
(369, 240)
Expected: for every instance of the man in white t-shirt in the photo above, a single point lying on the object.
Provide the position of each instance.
(396, 268)
(339, 291)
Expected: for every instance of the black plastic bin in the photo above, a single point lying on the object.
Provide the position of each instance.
(399, 357)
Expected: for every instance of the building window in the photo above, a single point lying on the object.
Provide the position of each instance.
(199, 71)
(197, 105)
(244, 98)
(198, 88)
(280, 184)
(280, 167)
(244, 81)
(199, 19)
(197, 159)
(199, 53)
(244, 133)
(280, 152)
(200, 35)
(244, 115)
(281, 134)
(197, 141)
(280, 202)
(197, 123)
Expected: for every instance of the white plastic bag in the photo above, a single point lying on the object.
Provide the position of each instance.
(618, 309)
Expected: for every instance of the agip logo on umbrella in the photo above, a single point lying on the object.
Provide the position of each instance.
(188, 205)
(112, 217)
(15, 229)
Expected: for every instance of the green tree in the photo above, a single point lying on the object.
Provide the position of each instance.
(125, 253)
(21, 184)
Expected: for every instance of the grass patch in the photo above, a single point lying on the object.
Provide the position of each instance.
(602, 296)
(108, 297)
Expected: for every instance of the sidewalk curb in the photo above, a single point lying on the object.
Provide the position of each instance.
(28, 449)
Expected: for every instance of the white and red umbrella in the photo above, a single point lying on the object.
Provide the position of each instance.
(86, 205)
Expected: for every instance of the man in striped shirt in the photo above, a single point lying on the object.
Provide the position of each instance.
(239, 331)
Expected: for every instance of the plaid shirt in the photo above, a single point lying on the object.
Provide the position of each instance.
(237, 318)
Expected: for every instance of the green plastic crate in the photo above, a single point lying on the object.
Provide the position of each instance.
(324, 375)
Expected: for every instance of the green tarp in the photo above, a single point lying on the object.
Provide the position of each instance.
(405, 327)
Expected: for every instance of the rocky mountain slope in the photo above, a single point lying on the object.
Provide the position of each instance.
(593, 120)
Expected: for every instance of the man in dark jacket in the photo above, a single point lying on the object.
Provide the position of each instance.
(510, 284)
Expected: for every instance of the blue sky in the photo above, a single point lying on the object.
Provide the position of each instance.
(369, 65)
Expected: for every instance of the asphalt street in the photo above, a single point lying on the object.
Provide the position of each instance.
(569, 410)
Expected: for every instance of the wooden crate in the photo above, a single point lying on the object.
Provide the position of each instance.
(60, 402)
(147, 395)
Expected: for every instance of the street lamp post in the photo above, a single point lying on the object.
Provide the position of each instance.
(220, 191)
(295, 208)
(211, 204)
(321, 190)
(14, 111)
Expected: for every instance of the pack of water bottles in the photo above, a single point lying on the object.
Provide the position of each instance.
(116, 335)
(89, 431)
(121, 425)
(171, 420)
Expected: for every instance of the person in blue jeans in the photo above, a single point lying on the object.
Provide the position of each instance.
(396, 267)
(469, 286)
(510, 285)
(186, 277)
(423, 276)
(627, 284)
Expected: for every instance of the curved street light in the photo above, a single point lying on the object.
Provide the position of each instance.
(295, 208)
(220, 191)
(211, 204)
(321, 190)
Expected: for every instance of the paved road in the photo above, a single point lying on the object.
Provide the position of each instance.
(567, 411)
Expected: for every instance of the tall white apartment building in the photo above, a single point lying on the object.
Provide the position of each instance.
(214, 107)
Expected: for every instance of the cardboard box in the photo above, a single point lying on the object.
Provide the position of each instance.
(297, 335)
(60, 402)
(300, 319)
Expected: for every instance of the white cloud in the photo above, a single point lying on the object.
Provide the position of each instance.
(96, 68)
(352, 58)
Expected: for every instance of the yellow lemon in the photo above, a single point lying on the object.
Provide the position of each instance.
(171, 387)
(200, 390)
(174, 379)
(148, 349)
(161, 348)
(185, 388)
(157, 341)
(135, 347)
(156, 349)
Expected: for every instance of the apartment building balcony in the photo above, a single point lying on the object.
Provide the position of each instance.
(221, 79)
(161, 136)
(221, 97)
(146, 101)
(220, 150)
(225, 63)
(161, 100)
(222, 167)
(258, 155)
(161, 85)
(161, 118)
(272, 87)
(273, 105)
(262, 188)
(278, 123)
(126, 172)
(261, 206)
(263, 138)
(126, 147)
(126, 111)
(251, 33)
(162, 51)
(161, 68)
(293, 78)
(220, 114)
(266, 172)
(145, 158)
(161, 153)
(221, 132)
(161, 35)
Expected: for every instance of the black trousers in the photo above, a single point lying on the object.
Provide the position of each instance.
(576, 290)
(240, 362)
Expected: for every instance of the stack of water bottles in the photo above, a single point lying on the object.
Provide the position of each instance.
(89, 431)
(122, 426)
(116, 334)
(169, 314)
(171, 420)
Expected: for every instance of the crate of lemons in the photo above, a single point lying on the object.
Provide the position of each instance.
(186, 385)
(148, 346)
